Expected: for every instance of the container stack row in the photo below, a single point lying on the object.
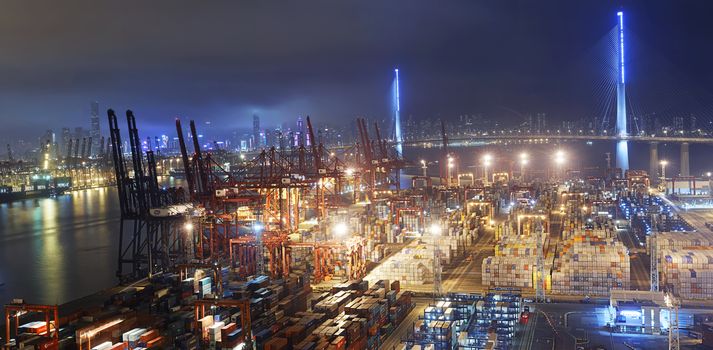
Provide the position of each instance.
(363, 316)
(413, 265)
(515, 259)
(688, 272)
(587, 265)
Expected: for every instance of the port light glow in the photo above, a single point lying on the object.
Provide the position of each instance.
(630, 313)
(621, 44)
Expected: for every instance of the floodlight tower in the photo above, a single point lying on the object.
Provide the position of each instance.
(437, 282)
(672, 304)
(540, 268)
(622, 147)
(653, 256)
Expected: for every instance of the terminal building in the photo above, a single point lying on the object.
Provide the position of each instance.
(644, 312)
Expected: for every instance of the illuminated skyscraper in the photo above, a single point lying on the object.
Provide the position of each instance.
(256, 131)
(95, 133)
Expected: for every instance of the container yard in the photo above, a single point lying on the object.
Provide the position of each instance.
(313, 249)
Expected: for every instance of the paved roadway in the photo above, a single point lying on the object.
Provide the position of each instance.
(698, 218)
(463, 276)
(466, 276)
(639, 262)
(695, 217)
(400, 332)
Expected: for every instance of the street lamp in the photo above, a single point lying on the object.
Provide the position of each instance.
(559, 160)
(487, 160)
(258, 227)
(340, 229)
(436, 229)
(449, 171)
(663, 169)
(524, 159)
(424, 167)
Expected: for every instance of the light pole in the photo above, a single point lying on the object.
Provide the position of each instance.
(450, 171)
(524, 159)
(487, 159)
(435, 233)
(559, 160)
(663, 170)
(340, 230)
(424, 167)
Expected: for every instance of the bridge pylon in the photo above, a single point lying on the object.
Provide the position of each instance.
(654, 162)
(622, 147)
(685, 159)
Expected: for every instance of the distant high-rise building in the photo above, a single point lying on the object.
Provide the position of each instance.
(529, 127)
(678, 123)
(299, 135)
(79, 132)
(692, 124)
(256, 131)
(541, 122)
(410, 130)
(95, 132)
(66, 136)
(596, 124)
(47, 144)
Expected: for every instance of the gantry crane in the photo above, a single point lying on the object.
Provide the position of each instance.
(15, 311)
(156, 214)
(242, 305)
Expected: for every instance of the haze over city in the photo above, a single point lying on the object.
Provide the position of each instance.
(347, 175)
(330, 60)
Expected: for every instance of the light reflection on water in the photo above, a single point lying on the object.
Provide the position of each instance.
(53, 250)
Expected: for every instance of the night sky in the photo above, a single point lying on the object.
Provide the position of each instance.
(330, 59)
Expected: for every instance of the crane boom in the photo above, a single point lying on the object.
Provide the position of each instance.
(315, 155)
(184, 158)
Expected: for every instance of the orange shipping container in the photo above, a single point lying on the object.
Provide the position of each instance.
(146, 337)
(339, 343)
(154, 343)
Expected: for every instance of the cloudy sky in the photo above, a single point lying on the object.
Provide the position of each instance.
(224, 61)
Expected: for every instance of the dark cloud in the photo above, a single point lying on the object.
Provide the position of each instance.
(222, 61)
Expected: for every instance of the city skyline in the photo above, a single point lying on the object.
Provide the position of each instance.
(485, 59)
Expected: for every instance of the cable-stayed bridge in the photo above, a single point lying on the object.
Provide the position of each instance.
(651, 113)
